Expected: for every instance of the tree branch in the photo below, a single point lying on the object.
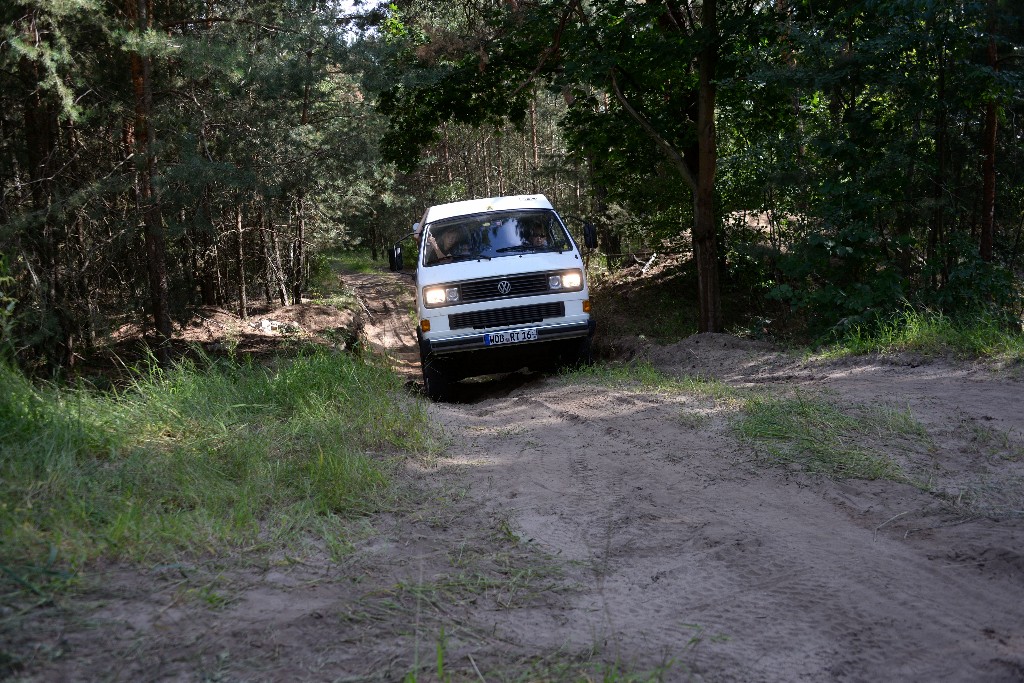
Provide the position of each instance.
(553, 49)
(671, 152)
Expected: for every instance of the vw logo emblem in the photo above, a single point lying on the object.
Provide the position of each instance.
(504, 286)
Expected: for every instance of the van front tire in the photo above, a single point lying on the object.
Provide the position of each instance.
(436, 379)
(583, 354)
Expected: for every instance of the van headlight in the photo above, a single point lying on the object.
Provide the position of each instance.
(571, 280)
(440, 296)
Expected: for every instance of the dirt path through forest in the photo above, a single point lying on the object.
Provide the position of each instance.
(580, 530)
(688, 546)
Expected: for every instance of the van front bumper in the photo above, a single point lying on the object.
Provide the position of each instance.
(475, 341)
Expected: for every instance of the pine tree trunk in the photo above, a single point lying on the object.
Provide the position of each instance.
(140, 11)
(299, 251)
(447, 154)
(988, 193)
(936, 233)
(534, 144)
(486, 151)
(500, 165)
(40, 128)
(277, 264)
(243, 303)
(268, 264)
(705, 240)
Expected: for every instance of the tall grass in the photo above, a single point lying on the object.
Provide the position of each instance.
(931, 332)
(204, 457)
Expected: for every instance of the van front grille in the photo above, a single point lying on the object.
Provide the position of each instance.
(502, 317)
(530, 284)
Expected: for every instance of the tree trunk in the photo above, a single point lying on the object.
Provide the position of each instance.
(243, 303)
(41, 130)
(609, 242)
(268, 264)
(276, 263)
(208, 268)
(534, 144)
(705, 239)
(935, 234)
(485, 150)
(140, 11)
(299, 252)
(988, 193)
(697, 168)
(447, 154)
(500, 164)
(299, 248)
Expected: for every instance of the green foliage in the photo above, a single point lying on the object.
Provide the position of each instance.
(860, 127)
(199, 458)
(838, 282)
(855, 127)
(256, 114)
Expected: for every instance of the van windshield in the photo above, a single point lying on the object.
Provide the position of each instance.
(493, 234)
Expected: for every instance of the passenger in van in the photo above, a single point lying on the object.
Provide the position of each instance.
(448, 243)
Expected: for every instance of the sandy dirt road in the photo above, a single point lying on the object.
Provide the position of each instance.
(688, 545)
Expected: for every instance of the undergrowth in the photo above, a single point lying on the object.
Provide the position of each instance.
(325, 272)
(930, 333)
(206, 457)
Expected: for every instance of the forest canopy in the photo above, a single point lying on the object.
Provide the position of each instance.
(828, 163)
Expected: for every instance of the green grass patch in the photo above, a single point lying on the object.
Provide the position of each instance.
(839, 442)
(359, 261)
(930, 333)
(849, 441)
(646, 376)
(202, 458)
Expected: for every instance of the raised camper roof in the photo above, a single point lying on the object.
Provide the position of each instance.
(472, 206)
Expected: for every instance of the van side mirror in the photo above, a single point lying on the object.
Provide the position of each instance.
(395, 261)
(590, 235)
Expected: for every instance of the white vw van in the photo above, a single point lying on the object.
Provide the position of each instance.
(500, 285)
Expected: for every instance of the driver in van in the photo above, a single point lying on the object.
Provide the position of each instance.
(537, 236)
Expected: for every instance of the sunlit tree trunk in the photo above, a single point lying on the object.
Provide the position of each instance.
(282, 281)
(299, 248)
(299, 251)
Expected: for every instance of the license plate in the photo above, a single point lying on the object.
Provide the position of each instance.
(511, 336)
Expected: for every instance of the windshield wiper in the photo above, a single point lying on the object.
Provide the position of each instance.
(467, 257)
(518, 247)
